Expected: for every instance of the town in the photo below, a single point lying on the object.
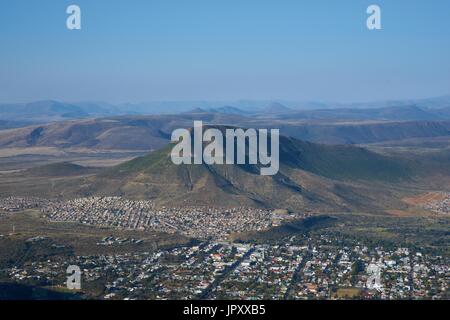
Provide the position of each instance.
(311, 264)
(441, 206)
(117, 212)
(315, 267)
(16, 204)
(197, 222)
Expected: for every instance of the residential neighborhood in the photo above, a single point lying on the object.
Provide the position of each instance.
(300, 268)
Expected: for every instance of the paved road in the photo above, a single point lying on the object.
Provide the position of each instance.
(297, 276)
(206, 293)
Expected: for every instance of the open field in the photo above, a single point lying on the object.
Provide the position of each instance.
(348, 293)
(14, 159)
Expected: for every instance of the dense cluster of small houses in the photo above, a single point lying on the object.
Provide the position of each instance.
(314, 268)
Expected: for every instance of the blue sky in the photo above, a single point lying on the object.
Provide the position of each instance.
(131, 51)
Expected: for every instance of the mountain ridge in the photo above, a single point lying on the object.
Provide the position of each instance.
(311, 176)
(153, 132)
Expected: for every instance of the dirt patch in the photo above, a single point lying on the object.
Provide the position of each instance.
(425, 198)
(401, 213)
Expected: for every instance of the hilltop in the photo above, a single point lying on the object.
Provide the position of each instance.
(59, 169)
(311, 176)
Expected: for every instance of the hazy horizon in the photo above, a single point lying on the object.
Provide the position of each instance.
(237, 101)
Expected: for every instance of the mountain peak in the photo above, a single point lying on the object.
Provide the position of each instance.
(276, 107)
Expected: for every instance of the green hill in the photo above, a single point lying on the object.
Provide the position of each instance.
(311, 176)
(60, 169)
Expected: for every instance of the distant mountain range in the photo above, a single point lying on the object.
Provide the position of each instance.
(15, 115)
(400, 113)
(224, 110)
(427, 103)
(153, 132)
(103, 126)
(48, 111)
